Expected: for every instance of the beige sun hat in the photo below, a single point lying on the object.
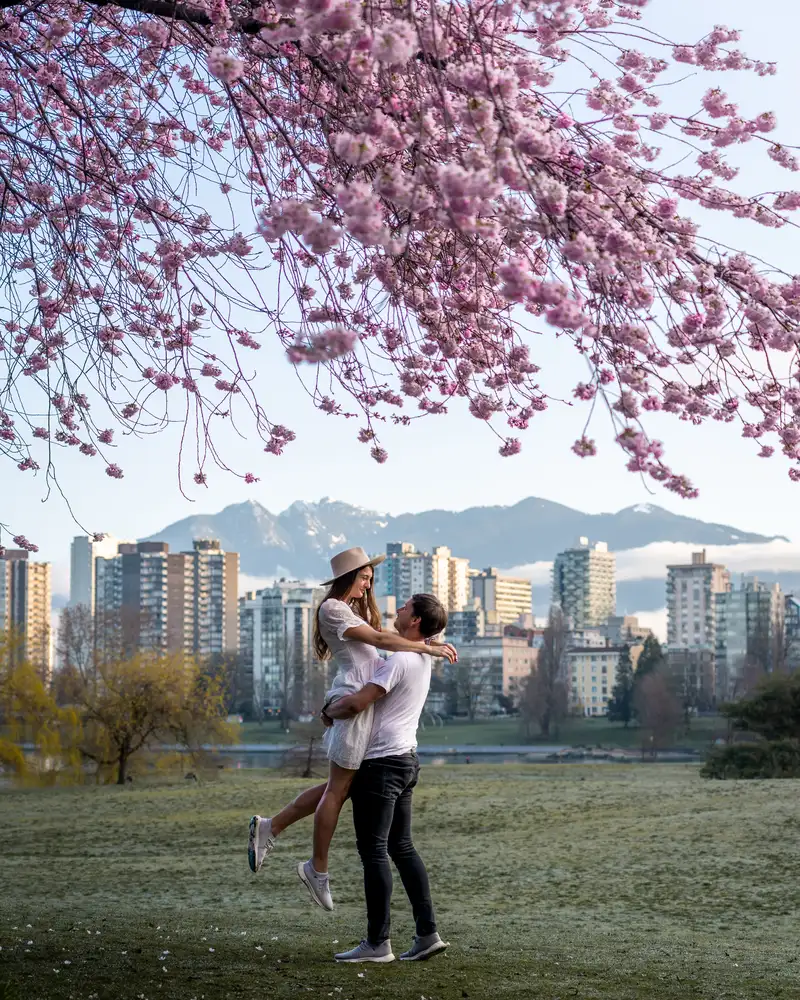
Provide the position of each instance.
(350, 560)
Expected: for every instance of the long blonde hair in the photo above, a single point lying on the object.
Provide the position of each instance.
(365, 607)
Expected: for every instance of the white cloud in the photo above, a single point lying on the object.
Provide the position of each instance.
(650, 562)
(247, 582)
(655, 620)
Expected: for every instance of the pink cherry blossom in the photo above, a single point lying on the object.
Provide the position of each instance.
(224, 66)
(412, 204)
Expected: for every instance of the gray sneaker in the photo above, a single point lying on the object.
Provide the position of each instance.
(318, 885)
(366, 952)
(424, 947)
(260, 843)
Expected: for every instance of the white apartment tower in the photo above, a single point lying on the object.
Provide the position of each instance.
(82, 568)
(749, 636)
(276, 629)
(692, 591)
(584, 584)
(406, 572)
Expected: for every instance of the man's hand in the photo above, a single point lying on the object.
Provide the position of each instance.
(327, 721)
(352, 704)
(444, 649)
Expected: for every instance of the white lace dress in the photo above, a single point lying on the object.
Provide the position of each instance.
(346, 740)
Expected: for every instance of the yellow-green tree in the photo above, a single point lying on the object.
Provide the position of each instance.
(199, 717)
(30, 715)
(142, 702)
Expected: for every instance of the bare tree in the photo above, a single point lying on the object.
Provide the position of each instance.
(227, 671)
(289, 687)
(658, 711)
(75, 652)
(749, 671)
(545, 697)
(469, 682)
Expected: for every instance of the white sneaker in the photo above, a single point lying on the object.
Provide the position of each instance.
(260, 843)
(424, 948)
(318, 885)
(366, 952)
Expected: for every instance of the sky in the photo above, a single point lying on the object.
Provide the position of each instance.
(452, 462)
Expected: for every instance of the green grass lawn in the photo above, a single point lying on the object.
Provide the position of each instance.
(624, 882)
(509, 731)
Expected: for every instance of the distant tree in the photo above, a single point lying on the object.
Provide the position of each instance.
(198, 716)
(469, 681)
(771, 713)
(227, 671)
(650, 659)
(507, 703)
(75, 652)
(620, 706)
(134, 704)
(658, 710)
(75, 638)
(30, 714)
(748, 674)
(288, 689)
(306, 759)
(772, 710)
(546, 693)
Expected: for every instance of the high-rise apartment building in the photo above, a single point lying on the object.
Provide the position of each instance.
(82, 568)
(173, 601)
(584, 584)
(790, 653)
(280, 670)
(131, 604)
(692, 591)
(749, 635)
(505, 599)
(216, 589)
(465, 626)
(25, 598)
(406, 571)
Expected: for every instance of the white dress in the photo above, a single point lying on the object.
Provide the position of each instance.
(347, 739)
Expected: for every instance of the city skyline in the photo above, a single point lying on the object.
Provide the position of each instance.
(146, 597)
(640, 571)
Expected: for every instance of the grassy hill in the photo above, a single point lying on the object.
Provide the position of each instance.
(612, 883)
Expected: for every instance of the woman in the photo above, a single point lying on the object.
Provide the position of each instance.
(348, 629)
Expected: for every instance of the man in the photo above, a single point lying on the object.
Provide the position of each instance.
(383, 787)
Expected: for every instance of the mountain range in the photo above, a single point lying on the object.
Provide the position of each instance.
(300, 540)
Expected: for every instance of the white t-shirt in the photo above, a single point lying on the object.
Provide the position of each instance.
(406, 678)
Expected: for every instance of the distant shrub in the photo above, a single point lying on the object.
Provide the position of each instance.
(767, 759)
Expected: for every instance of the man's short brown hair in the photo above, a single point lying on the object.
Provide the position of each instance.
(431, 612)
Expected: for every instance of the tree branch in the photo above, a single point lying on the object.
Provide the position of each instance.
(163, 8)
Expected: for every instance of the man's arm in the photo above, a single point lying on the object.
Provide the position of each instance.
(394, 643)
(352, 704)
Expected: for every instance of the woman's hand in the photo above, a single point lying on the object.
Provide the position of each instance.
(327, 721)
(444, 649)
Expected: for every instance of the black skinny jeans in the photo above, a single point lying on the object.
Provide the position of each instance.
(381, 794)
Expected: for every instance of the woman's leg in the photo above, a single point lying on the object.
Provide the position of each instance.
(304, 805)
(327, 814)
(264, 829)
